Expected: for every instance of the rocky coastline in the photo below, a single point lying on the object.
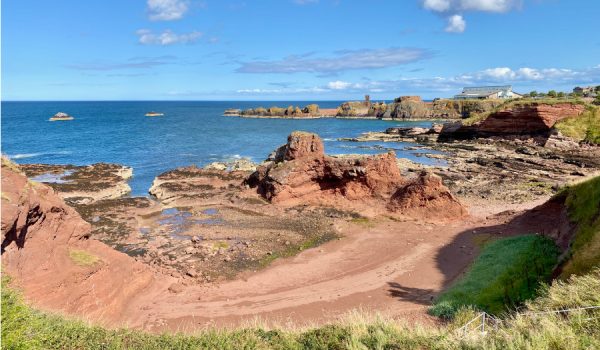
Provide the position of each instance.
(404, 108)
(240, 225)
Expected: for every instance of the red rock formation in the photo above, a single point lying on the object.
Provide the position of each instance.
(426, 196)
(33, 210)
(527, 119)
(302, 174)
(302, 144)
(43, 239)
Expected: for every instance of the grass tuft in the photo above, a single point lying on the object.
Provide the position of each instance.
(83, 258)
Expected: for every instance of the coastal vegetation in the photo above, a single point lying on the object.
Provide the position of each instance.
(583, 205)
(24, 327)
(507, 272)
(585, 127)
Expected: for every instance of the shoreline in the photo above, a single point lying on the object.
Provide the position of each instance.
(340, 117)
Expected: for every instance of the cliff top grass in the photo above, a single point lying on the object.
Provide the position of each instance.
(24, 327)
(583, 205)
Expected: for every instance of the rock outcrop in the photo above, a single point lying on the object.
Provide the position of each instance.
(47, 252)
(192, 184)
(517, 120)
(32, 210)
(427, 196)
(301, 173)
(311, 110)
(413, 107)
(83, 184)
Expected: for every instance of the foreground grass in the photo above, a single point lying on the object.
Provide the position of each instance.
(507, 272)
(27, 328)
(583, 205)
(585, 127)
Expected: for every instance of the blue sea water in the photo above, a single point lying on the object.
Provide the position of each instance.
(190, 132)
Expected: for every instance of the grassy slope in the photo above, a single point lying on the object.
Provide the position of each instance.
(507, 272)
(26, 328)
(583, 205)
(586, 127)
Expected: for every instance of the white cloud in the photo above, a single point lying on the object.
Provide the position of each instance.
(340, 61)
(453, 10)
(437, 5)
(166, 10)
(456, 24)
(521, 78)
(487, 5)
(338, 85)
(147, 37)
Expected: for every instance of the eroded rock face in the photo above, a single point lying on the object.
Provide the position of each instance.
(426, 196)
(520, 120)
(31, 210)
(303, 174)
(527, 119)
(46, 252)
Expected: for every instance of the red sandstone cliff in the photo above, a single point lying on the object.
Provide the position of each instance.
(46, 250)
(529, 120)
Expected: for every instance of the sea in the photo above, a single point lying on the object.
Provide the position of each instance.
(189, 133)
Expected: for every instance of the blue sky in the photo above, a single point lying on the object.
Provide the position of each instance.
(293, 49)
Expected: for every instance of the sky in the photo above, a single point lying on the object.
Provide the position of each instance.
(293, 49)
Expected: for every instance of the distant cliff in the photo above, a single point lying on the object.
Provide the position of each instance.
(413, 107)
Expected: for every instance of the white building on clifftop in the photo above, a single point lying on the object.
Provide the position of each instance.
(487, 92)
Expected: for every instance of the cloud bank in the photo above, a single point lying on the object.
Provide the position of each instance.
(340, 61)
(498, 75)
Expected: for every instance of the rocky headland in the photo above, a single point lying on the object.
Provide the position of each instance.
(414, 108)
(402, 108)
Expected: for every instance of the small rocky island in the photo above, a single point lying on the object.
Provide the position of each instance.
(293, 112)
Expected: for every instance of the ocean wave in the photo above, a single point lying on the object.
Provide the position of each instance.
(32, 155)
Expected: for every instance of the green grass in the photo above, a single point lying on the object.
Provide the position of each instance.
(26, 328)
(585, 127)
(507, 272)
(83, 258)
(583, 205)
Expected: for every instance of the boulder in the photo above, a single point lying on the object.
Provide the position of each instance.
(426, 197)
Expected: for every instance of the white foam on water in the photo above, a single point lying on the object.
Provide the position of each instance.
(32, 155)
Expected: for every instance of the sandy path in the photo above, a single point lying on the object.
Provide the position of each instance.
(391, 268)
